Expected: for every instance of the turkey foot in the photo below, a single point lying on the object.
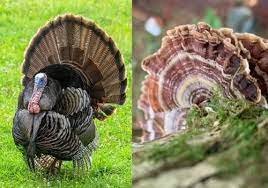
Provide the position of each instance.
(55, 166)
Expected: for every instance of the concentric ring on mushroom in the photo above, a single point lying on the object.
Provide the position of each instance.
(194, 61)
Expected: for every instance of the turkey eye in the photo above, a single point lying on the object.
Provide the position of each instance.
(39, 82)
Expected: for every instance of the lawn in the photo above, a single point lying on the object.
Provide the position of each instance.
(19, 20)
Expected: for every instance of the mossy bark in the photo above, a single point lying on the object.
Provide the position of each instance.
(225, 145)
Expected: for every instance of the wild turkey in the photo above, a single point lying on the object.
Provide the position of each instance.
(72, 71)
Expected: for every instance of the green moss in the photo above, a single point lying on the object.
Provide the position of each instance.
(239, 146)
(178, 148)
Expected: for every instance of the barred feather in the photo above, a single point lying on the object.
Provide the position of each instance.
(85, 71)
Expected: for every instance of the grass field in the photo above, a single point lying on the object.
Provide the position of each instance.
(19, 20)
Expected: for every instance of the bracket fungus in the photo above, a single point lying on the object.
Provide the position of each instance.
(192, 62)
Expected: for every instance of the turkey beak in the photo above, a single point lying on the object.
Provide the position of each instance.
(31, 150)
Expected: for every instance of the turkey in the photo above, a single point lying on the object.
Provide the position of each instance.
(73, 73)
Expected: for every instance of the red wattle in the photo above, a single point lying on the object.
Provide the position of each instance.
(33, 105)
(33, 108)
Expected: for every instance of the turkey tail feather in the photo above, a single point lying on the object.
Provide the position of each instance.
(79, 43)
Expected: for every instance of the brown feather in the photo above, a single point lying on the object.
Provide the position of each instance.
(82, 44)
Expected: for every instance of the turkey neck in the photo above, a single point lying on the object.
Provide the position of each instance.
(35, 98)
(37, 93)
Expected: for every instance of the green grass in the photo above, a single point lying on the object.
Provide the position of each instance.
(19, 20)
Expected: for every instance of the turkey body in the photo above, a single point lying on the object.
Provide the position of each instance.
(83, 72)
(66, 127)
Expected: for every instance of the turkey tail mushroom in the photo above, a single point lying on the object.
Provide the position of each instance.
(193, 61)
(258, 59)
(73, 73)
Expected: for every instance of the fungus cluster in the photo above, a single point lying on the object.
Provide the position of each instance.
(192, 62)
